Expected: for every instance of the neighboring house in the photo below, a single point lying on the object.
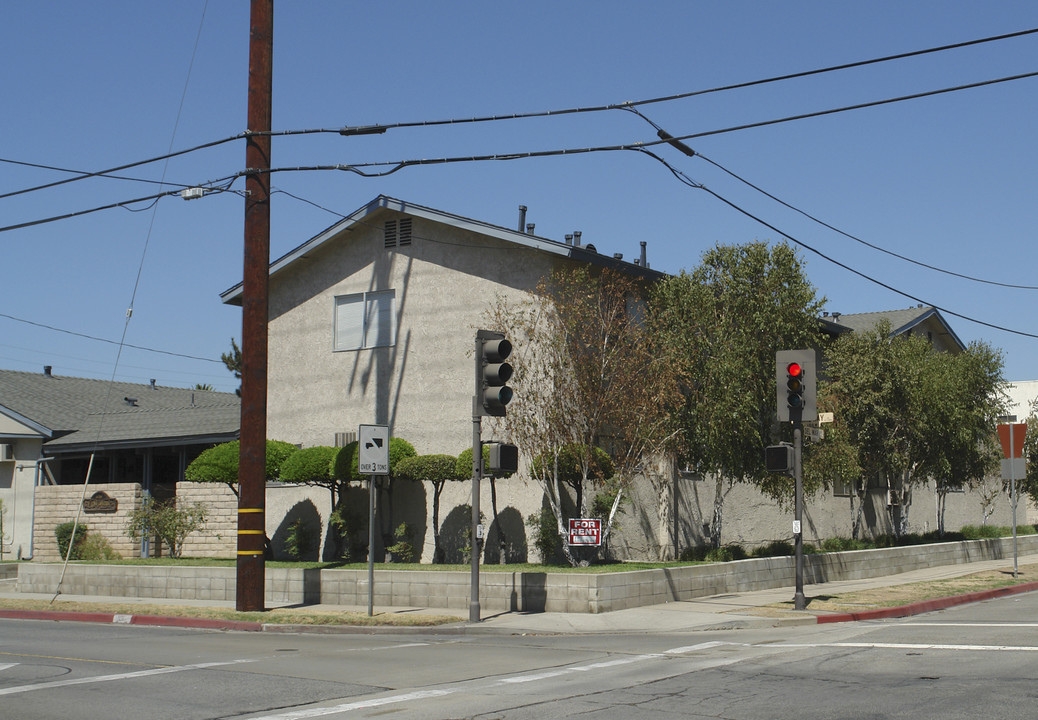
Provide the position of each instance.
(50, 425)
(373, 322)
(921, 320)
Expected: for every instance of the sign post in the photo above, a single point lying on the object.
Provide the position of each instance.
(372, 460)
(1012, 435)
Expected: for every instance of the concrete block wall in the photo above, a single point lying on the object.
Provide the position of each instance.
(56, 504)
(504, 591)
(219, 537)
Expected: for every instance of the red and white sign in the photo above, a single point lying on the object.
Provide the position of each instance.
(585, 531)
(1012, 437)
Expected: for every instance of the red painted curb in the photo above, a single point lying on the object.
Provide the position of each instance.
(116, 619)
(926, 606)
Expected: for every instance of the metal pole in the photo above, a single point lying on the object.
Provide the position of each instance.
(371, 545)
(799, 601)
(1012, 496)
(477, 463)
(252, 458)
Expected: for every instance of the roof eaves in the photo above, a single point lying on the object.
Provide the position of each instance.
(233, 296)
(28, 422)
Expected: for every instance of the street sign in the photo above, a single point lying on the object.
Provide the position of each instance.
(1014, 468)
(1016, 442)
(585, 531)
(373, 450)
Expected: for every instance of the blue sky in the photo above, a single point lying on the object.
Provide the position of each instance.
(948, 180)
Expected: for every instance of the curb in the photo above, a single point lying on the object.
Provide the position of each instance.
(925, 606)
(120, 619)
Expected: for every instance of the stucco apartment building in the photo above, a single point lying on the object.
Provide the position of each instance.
(372, 321)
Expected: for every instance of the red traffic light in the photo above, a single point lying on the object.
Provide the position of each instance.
(794, 370)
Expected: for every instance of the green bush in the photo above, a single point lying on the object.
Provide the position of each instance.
(403, 549)
(63, 532)
(96, 547)
(545, 535)
(777, 548)
(726, 553)
(299, 540)
(170, 522)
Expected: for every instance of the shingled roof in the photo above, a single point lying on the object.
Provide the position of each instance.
(73, 413)
(901, 322)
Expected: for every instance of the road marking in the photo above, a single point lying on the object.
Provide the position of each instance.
(4, 666)
(359, 705)
(694, 648)
(109, 678)
(905, 646)
(979, 625)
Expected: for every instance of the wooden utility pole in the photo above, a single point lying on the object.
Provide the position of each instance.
(252, 462)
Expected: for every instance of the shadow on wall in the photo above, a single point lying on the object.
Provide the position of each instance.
(352, 543)
(406, 503)
(455, 532)
(513, 549)
(304, 517)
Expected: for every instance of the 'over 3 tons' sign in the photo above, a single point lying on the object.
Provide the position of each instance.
(585, 531)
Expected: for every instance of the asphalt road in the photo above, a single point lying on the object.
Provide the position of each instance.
(972, 661)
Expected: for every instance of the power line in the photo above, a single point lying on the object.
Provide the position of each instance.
(106, 340)
(692, 153)
(85, 174)
(699, 186)
(395, 166)
(378, 129)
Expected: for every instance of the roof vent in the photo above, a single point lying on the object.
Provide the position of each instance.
(591, 247)
(530, 227)
(618, 256)
(132, 402)
(46, 370)
(576, 237)
(836, 315)
(522, 217)
(569, 239)
(643, 263)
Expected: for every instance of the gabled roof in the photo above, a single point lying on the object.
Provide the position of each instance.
(77, 412)
(901, 321)
(363, 216)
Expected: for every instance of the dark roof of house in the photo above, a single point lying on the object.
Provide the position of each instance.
(582, 253)
(80, 413)
(901, 321)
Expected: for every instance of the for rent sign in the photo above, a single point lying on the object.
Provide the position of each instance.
(585, 531)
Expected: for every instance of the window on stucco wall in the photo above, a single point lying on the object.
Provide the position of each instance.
(364, 320)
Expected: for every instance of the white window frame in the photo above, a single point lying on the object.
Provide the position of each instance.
(364, 320)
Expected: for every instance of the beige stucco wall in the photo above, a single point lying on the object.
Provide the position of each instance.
(422, 386)
(17, 477)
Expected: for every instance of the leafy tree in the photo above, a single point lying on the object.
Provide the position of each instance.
(204, 386)
(171, 522)
(721, 325)
(436, 470)
(586, 373)
(232, 361)
(312, 466)
(912, 414)
(220, 463)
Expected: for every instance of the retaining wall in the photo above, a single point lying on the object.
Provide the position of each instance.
(502, 591)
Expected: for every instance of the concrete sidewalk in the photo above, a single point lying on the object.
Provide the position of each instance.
(729, 611)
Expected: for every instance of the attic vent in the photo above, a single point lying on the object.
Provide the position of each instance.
(397, 232)
(342, 439)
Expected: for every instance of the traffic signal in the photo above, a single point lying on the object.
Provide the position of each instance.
(492, 373)
(796, 385)
(502, 458)
(778, 458)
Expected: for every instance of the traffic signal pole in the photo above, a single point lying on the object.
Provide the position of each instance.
(799, 601)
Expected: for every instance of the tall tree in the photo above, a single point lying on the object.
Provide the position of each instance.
(232, 361)
(587, 375)
(721, 324)
(912, 414)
